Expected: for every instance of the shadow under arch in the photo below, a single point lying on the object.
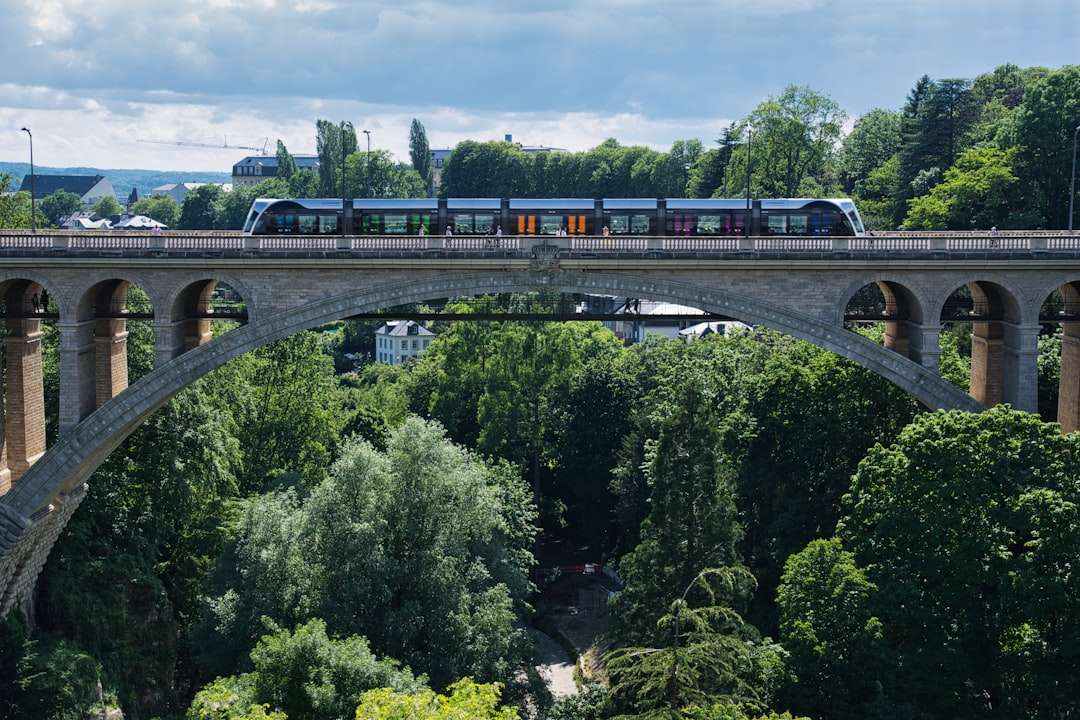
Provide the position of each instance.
(73, 459)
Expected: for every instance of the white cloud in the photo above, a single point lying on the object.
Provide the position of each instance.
(564, 73)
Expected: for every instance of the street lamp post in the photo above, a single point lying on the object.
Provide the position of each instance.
(749, 141)
(33, 211)
(1072, 185)
(367, 161)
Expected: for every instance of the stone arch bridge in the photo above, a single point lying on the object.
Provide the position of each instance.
(801, 287)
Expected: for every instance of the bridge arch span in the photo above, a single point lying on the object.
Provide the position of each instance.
(71, 460)
(1011, 302)
(903, 299)
(177, 296)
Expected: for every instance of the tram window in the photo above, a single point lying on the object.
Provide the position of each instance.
(777, 225)
(619, 224)
(463, 224)
(798, 225)
(419, 221)
(708, 224)
(395, 224)
(550, 224)
(308, 223)
(328, 224)
(485, 224)
(639, 224)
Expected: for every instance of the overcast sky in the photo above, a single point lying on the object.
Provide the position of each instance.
(91, 78)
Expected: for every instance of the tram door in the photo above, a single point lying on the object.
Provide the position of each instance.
(526, 224)
(575, 225)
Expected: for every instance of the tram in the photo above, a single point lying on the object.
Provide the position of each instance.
(524, 217)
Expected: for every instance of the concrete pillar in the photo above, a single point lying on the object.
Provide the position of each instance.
(1069, 384)
(77, 392)
(924, 344)
(197, 332)
(897, 337)
(1020, 371)
(987, 363)
(168, 339)
(24, 436)
(110, 359)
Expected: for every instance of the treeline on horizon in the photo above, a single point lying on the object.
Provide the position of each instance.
(959, 154)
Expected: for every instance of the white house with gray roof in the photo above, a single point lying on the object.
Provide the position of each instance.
(399, 340)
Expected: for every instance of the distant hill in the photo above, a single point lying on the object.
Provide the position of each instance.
(122, 180)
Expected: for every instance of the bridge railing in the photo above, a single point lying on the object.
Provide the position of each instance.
(892, 241)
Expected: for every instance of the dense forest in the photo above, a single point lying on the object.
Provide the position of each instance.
(305, 534)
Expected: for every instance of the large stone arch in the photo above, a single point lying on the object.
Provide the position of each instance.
(904, 311)
(73, 459)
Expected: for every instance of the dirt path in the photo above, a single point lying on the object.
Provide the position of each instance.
(557, 668)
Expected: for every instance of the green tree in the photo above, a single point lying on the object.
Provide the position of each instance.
(159, 207)
(671, 175)
(420, 155)
(333, 143)
(423, 549)
(232, 207)
(22, 683)
(303, 675)
(975, 193)
(60, 204)
(465, 699)
(284, 408)
(873, 140)
(1045, 123)
(707, 175)
(815, 416)
(692, 523)
(491, 169)
(707, 653)
(123, 582)
(107, 206)
(528, 373)
(835, 646)
(388, 179)
(199, 211)
(286, 163)
(967, 526)
(936, 119)
(14, 206)
(881, 203)
(591, 421)
(794, 136)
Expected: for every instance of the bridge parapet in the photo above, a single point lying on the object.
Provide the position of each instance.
(213, 241)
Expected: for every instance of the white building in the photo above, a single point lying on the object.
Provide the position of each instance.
(398, 340)
(177, 191)
(715, 327)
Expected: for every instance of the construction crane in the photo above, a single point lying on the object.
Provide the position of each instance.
(225, 145)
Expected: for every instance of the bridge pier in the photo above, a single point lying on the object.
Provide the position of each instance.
(24, 419)
(1069, 383)
(110, 359)
(898, 338)
(168, 339)
(924, 344)
(77, 392)
(987, 362)
(1021, 367)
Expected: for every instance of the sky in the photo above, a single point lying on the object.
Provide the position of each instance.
(117, 83)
